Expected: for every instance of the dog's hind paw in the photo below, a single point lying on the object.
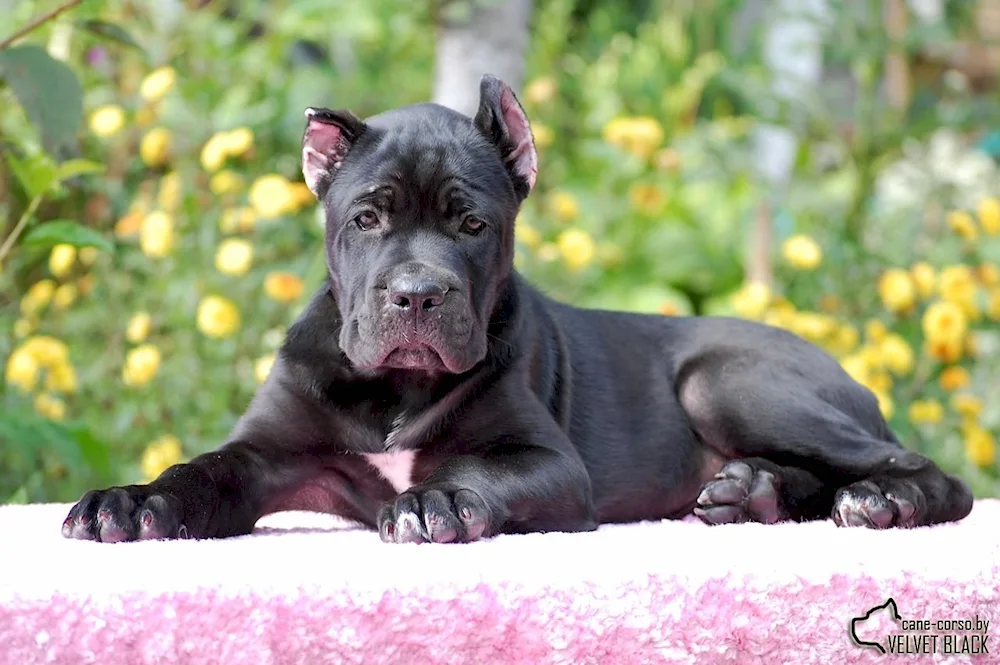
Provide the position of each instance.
(740, 493)
(876, 504)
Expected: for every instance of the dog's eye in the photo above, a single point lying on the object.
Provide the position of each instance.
(472, 225)
(366, 221)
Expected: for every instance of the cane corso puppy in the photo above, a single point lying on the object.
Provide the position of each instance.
(429, 392)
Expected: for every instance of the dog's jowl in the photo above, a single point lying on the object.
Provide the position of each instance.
(430, 393)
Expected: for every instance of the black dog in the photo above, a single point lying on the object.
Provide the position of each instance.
(431, 393)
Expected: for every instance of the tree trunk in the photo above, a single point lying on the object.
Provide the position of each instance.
(492, 39)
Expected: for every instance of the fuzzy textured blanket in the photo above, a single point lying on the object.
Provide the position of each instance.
(308, 589)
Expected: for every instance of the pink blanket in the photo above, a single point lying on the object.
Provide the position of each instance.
(307, 589)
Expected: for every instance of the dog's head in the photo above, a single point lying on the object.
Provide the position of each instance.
(420, 205)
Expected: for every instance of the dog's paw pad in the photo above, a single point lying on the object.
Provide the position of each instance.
(740, 493)
(433, 515)
(867, 504)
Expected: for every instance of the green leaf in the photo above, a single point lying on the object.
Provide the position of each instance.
(66, 232)
(93, 450)
(48, 90)
(35, 173)
(109, 31)
(74, 167)
(19, 497)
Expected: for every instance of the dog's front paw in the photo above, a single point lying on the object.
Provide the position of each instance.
(125, 513)
(433, 514)
(878, 504)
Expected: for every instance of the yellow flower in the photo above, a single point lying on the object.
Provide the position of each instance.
(61, 259)
(527, 234)
(283, 286)
(897, 356)
(301, 194)
(155, 147)
(236, 219)
(138, 327)
(61, 378)
(925, 279)
(64, 296)
(234, 257)
(879, 382)
(989, 216)
(957, 284)
(802, 252)
(564, 206)
(238, 141)
(875, 330)
(22, 370)
(954, 378)
(885, 403)
(145, 117)
(23, 328)
(640, 136)
(896, 290)
(214, 153)
(856, 367)
(543, 135)
(38, 296)
(541, 90)
(217, 317)
(262, 367)
(170, 191)
(647, 199)
(141, 365)
(157, 83)
(577, 248)
(944, 321)
(225, 182)
(156, 239)
(107, 120)
(980, 446)
(160, 455)
(48, 351)
(944, 350)
(989, 274)
(813, 326)
(50, 407)
(966, 405)
(962, 223)
(751, 300)
(88, 255)
(669, 309)
(845, 339)
(926, 412)
(129, 225)
(272, 196)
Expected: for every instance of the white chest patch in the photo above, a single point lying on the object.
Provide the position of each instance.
(397, 468)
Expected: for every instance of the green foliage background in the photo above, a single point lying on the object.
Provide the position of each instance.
(659, 224)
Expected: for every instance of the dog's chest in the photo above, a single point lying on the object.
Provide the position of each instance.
(395, 467)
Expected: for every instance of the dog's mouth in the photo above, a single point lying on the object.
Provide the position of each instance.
(415, 356)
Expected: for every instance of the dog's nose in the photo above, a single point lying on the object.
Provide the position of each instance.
(415, 293)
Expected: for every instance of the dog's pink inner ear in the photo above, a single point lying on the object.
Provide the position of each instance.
(324, 148)
(522, 160)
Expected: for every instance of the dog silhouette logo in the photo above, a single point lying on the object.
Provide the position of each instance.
(877, 622)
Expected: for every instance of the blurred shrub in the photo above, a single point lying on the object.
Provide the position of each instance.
(166, 239)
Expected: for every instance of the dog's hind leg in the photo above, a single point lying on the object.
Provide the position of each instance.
(819, 448)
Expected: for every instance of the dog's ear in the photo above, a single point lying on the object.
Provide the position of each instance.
(328, 138)
(502, 120)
